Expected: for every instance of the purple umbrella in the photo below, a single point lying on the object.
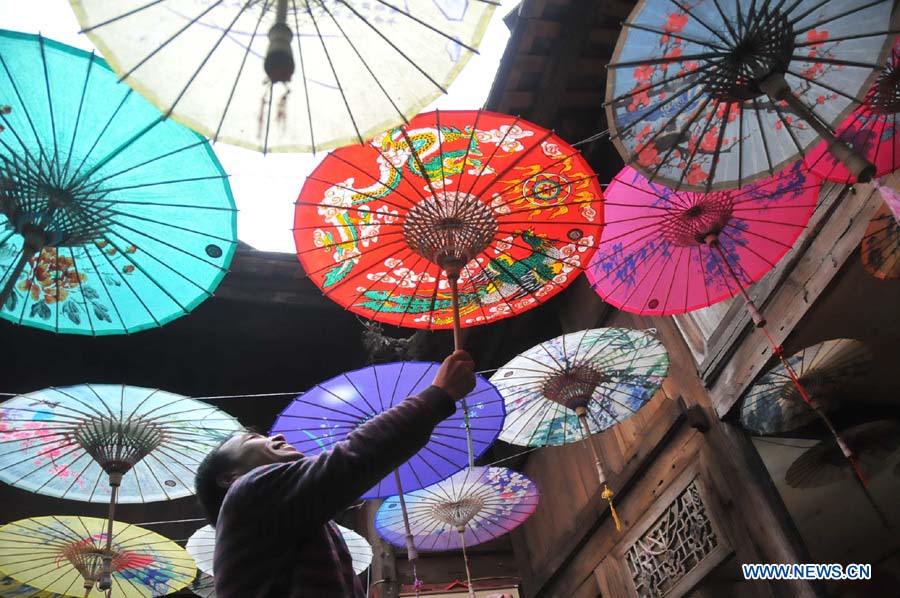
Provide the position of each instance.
(326, 413)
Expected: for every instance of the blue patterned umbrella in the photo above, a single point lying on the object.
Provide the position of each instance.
(576, 385)
(112, 218)
(707, 94)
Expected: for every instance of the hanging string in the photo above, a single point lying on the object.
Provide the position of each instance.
(592, 138)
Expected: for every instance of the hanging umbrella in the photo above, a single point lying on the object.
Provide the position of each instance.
(881, 246)
(470, 507)
(325, 414)
(204, 586)
(201, 545)
(828, 371)
(223, 68)
(112, 219)
(10, 588)
(870, 130)
(577, 385)
(874, 443)
(712, 95)
(113, 443)
(669, 252)
(506, 209)
(65, 554)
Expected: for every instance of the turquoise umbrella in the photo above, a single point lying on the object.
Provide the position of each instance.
(112, 218)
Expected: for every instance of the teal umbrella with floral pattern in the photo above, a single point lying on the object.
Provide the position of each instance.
(113, 219)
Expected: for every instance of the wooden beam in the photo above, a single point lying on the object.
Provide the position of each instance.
(797, 283)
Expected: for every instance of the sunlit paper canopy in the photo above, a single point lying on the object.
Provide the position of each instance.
(513, 207)
(881, 246)
(612, 371)
(10, 588)
(61, 553)
(828, 371)
(874, 444)
(202, 543)
(112, 219)
(360, 67)
(326, 413)
(685, 99)
(64, 442)
(474, 505)
(656, 258)
(872, 129)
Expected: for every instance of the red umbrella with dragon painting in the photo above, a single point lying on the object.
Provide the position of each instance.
(506, 209)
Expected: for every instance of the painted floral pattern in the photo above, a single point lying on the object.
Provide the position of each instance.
(680, 115)
(653, 258)
(633, 365)
(498, 498)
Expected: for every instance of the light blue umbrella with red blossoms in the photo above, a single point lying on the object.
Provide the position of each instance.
(709, 94)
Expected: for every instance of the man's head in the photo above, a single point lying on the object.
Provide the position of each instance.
(235, 456)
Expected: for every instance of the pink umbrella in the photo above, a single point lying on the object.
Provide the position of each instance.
(873, 130)
(669, 252)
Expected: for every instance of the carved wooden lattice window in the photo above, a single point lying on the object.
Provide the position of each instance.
(680, 539)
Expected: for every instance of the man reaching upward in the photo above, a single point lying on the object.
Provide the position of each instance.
(272, 506)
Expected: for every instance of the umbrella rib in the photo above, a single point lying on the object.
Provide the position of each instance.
(337, 80)
(516, 161)
(360, 56)
(820, 22)
(114, 304)
(55, 161)
(30, 286)
(665, 60)
(787, 127)
(719, 141)
(309, 117)
(240, 71)
(837, 62)
(762, 134)
(726, 21)
(661, 83)
(696, 16)
(432, 27)
(415, 291)
(830, 88)
(172, 226)
(393, 191)
(469, 146)
(96, 182)
(387, 40)
(24, 107)
(681, 134)
(695, 151)
(672, 34)
(191, 22)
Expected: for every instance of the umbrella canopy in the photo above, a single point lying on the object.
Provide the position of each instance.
(204, 585)
(881, 246)
(326, 413)
(470, 507)
(64, 554)
(358, 67)
(668, 252)
(711, 95)
(202, 543)
(612, 372)
(112, 219)
(10, 588)
(873, 443)
(503, 205)
(69, 442)
(872, 129)
(828, 371)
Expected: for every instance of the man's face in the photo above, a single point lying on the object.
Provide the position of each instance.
(251, 450)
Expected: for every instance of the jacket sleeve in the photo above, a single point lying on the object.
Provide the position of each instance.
(313, 490)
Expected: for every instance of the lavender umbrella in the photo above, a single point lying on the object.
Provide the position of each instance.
(471, 507)
(326, 413)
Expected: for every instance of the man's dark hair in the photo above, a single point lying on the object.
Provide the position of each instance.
(206, 483)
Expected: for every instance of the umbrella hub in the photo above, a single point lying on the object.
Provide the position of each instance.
(575, 386)
(46, 213)
(450, 229)
(117, 445)
(459, 512)
(703, 215)
(87, 559)
(754, 52)
(884, 97)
